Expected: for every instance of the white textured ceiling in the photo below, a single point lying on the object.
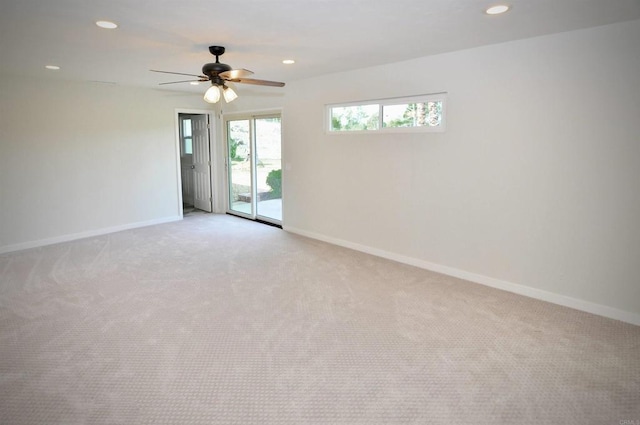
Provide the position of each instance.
(323, 36)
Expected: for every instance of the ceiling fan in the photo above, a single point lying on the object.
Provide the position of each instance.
(219, 74)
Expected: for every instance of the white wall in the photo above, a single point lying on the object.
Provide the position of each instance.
(81, 158)
(252, 98)
(534, 187)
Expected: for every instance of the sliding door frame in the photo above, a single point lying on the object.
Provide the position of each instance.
(251, 116)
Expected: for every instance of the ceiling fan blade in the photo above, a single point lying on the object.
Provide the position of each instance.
(178, 73)
(257, 82)
(235, 73)
(184, 81)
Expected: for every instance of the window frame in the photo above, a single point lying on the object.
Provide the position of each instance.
(424, 98)
(183, 137)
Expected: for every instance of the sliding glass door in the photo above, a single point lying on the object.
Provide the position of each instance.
(255, 167)
(268, 168)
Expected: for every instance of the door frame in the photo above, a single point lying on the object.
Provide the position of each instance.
(182, 117)
(213, 156)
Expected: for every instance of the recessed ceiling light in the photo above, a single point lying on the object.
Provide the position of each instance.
(107, 24)
(52, 67)
(288, 61)
(194, 83)
(497, 9)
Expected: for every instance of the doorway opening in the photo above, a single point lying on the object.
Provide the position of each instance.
(254, 167)
(195, 162)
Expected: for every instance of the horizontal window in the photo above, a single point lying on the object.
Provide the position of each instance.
(417, 113)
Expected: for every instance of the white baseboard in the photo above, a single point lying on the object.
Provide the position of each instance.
(575, 303)
(87, 234)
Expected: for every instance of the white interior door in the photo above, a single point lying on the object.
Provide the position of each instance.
(201, 162)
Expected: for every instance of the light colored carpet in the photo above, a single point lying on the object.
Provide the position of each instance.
(219, 320)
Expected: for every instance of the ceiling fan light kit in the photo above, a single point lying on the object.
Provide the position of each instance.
(212, 95)
(220, 73)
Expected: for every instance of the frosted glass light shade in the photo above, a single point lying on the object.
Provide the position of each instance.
(229, 94)
(212, 95)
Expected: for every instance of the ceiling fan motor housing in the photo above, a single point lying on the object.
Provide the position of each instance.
(212, 70)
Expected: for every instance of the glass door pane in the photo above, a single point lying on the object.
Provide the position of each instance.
(239, 166)
(268, 169)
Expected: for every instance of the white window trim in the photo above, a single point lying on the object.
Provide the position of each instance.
(441, 97)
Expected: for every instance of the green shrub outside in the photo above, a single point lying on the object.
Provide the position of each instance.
(274, 180)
